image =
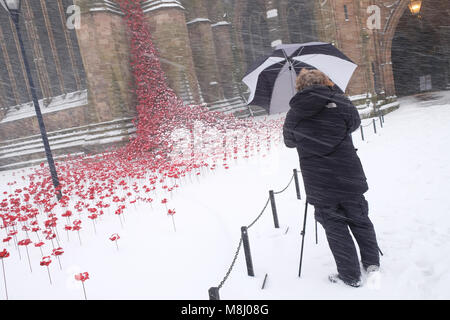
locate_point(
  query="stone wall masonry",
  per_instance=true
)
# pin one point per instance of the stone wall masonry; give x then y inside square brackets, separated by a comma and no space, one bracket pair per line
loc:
[104,45]
[204,55]
[170,35]
[224,57]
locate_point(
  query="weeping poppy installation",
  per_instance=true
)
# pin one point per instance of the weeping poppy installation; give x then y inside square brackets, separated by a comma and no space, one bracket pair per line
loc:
[175,144]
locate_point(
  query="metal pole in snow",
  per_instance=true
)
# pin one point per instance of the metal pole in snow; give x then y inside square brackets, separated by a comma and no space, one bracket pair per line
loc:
[274,209]
[48,152]
[303,239]
[248,255]
[213,293]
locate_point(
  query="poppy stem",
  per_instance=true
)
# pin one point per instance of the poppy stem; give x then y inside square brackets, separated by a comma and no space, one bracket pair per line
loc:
[4,279]
[29,262]
[57,235]
[117,246]
[18,249]
[79,236]
[173,222]
[95,231]
[59,261]
[84,290]
[48,271]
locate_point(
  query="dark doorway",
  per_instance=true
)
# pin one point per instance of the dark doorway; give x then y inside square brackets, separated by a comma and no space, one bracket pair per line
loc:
[420,58]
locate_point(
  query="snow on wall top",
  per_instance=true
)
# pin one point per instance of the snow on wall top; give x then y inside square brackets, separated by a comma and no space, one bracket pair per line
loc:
[58,103]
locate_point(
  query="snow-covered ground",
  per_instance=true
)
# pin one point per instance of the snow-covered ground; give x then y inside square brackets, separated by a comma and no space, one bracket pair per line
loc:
[408,170]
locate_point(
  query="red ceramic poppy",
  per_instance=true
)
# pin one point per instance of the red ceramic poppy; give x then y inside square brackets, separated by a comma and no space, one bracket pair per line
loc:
[68,213]
[4,254]
[114,237]
[50,236]
[46,261]
[58,251]
[39,244]
[82,276]
[24,242]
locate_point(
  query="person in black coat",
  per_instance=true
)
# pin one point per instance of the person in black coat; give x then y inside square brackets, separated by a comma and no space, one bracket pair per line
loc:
[319,124]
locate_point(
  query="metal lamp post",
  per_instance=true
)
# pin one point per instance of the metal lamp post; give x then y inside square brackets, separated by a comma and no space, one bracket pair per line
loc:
[13,8]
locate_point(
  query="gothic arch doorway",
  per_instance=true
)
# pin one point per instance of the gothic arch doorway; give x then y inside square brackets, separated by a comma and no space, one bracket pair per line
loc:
[420,49]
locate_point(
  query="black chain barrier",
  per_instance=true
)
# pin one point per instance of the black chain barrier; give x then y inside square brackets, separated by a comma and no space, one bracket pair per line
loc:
[214,291]
[372,123]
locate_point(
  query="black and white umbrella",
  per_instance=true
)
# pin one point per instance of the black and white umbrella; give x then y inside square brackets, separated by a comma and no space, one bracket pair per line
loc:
[271,79]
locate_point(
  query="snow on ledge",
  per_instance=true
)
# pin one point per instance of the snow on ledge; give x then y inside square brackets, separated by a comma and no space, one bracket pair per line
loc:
[153,5]
[221,23]
[106,5]
[367,95]
[58,103]
[198,20]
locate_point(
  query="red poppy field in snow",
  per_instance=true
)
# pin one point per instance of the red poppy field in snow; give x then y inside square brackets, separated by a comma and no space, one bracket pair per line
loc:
[174,143]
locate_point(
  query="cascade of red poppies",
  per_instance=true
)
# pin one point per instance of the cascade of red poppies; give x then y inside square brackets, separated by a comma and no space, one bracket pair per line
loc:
[159,109]
[174,144]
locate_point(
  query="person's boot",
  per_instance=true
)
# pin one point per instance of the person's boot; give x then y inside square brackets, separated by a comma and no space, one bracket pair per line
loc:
[336,278]
[372,268]
[373,277]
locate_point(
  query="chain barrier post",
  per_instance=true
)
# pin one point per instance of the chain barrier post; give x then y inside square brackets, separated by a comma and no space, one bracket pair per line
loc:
[297,185]
[381,122]
[362,133]
[248,255]
[303,239]
[213,293]
[274,209]
[374,126]
[382,117]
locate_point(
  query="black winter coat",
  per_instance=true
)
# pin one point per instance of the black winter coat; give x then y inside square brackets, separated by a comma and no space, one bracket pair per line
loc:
[319,124]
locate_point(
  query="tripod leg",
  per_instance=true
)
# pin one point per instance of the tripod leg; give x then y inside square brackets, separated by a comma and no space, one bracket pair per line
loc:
[303,239]
[317,238]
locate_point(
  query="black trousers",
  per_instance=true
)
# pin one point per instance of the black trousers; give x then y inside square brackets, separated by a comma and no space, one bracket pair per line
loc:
[337,220]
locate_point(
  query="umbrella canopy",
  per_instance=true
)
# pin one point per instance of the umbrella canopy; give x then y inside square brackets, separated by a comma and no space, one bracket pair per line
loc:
[271,79]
